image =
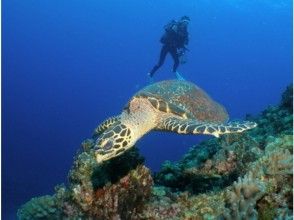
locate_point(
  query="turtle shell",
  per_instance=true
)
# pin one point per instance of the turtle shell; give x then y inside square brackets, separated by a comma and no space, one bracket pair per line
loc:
[184,98]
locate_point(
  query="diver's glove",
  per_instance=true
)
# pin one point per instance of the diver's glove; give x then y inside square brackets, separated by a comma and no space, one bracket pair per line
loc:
[181,51]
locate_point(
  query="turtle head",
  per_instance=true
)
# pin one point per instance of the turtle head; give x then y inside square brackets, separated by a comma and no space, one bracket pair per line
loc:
[113,142]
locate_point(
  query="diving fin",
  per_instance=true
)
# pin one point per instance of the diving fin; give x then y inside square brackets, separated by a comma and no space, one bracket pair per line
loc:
[150,78]
[179,76]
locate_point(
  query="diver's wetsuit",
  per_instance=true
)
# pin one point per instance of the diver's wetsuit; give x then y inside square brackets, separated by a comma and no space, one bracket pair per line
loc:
[175,37]
[164,50]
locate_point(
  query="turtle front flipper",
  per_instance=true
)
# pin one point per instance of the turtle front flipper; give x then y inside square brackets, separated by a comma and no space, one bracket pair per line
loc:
[190,126]
[105,125]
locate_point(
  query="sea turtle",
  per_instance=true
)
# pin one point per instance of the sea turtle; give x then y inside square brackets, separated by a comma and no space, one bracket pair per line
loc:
[172,105]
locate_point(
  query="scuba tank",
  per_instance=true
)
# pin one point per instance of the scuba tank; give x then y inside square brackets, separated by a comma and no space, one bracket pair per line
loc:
[169,29]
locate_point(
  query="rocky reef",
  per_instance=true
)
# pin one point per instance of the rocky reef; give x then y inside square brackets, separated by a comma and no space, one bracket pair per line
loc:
[238,176]
[116,190]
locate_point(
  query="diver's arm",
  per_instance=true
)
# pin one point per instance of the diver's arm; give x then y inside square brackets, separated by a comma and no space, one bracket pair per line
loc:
[184,43]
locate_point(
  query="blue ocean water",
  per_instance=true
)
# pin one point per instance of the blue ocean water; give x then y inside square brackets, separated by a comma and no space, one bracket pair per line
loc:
[67,65]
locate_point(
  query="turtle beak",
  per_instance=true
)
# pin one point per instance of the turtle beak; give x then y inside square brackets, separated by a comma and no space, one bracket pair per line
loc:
[103,155]
[99,158]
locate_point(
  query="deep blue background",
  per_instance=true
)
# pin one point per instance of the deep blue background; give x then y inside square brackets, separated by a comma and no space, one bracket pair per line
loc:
[67,65]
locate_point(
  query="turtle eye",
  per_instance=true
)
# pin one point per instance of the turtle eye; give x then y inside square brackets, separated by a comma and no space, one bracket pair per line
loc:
[104,144]
[108,145]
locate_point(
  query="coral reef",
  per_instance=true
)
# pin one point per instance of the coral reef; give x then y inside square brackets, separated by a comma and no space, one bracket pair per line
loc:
[262,155]
[237,176]
[121,200]
[44,207]
[287,99]
[182,205]
[96,192]
[241,200]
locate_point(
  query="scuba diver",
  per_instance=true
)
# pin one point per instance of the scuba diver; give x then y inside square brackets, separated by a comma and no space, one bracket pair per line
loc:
[174,41]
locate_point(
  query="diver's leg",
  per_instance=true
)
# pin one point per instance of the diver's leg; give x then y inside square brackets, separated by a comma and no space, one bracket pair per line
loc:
[175,57]
[163,53]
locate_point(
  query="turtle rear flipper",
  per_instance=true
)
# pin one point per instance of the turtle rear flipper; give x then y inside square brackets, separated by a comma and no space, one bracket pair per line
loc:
[105,125]
[190,126]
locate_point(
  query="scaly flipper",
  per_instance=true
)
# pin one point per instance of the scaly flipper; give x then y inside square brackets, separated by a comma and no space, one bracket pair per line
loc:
[190,126]
[106,124]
